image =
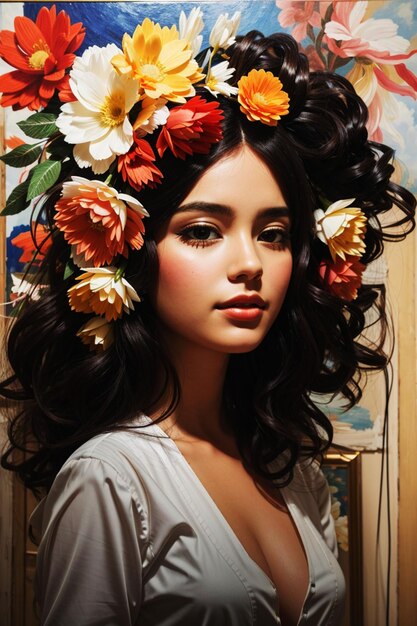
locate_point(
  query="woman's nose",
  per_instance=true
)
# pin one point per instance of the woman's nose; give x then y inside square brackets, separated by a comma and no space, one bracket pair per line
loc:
[246,263]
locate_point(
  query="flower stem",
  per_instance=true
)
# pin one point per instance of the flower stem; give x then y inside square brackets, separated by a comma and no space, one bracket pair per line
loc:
[121,270]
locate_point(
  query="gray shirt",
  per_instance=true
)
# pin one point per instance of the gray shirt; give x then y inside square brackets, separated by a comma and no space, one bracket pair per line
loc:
[128,535]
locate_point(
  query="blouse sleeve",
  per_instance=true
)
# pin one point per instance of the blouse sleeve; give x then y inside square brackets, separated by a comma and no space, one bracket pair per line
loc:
[325,510]
[89,567]
[316,502]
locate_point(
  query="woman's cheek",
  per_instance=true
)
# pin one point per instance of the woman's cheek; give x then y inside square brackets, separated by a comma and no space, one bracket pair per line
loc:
[183,267]
[181,278]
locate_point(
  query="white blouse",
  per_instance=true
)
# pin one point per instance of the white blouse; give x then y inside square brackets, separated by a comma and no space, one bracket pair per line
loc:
[128,535]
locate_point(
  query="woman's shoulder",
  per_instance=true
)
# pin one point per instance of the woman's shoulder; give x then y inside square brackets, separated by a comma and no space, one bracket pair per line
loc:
[128,446]
[112,469]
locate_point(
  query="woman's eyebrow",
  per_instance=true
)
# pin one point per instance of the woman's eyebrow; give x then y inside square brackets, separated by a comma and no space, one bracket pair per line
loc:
[227,211]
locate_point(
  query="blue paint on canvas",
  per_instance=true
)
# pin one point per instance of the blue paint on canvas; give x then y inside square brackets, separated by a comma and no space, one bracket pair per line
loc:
[13,252]
[337,477]
[107,21]
[358,416]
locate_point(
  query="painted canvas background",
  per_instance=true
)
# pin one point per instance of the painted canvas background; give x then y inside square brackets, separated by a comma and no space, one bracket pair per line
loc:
[371,43]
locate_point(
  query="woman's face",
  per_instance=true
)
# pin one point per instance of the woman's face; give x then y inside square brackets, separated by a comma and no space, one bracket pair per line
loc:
[225,258]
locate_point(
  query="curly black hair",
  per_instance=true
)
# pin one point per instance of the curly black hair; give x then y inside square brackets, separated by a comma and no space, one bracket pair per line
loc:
[65,393]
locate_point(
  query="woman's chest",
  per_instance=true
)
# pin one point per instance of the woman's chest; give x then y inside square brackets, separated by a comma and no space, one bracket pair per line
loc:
[260,522]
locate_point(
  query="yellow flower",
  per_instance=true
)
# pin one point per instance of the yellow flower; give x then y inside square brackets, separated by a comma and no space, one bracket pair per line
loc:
[101,291]
[97,333]
[342,532]
[261,97]
[342,227]
[153,113]
[160,61]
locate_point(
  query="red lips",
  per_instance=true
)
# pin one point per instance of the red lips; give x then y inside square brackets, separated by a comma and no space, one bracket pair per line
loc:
[243,301]
[243,308]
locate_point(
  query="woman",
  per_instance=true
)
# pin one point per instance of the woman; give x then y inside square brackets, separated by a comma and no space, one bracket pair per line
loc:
[166,381]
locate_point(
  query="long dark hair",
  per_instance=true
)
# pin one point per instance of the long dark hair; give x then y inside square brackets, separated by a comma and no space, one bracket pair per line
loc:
[66,393]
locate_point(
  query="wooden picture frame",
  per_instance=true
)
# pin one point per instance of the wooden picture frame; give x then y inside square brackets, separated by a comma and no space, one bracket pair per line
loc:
[343,473]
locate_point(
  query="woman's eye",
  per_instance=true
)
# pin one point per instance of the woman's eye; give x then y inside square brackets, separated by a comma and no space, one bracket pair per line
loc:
[279,236]
[199,235]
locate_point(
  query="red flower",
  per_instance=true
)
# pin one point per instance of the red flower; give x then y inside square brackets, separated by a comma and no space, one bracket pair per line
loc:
[65,92]
[191,128]
[33,242]
[137,166]
[40,52]
[342,278]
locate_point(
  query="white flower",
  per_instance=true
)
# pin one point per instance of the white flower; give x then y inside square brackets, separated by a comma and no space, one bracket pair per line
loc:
[216,80]
[342,227]
[97,332]
[22,285]
[190,28]
[224,31]
[97,122]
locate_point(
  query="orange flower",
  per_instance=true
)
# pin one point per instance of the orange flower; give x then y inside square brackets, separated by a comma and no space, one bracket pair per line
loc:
[343,278]
[103,292]
[98,221]
[13,142]
[33,243]
[40,52]
[137,167]
[261,97]
[191,128]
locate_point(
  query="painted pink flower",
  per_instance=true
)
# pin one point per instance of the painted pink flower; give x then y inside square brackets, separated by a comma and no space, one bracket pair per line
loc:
[301,14]
[376,40]
[382,106]
[380,54]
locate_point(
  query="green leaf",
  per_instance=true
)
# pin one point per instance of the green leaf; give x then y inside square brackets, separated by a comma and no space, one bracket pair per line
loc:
[58,149]
[17,202]
[43,177]
[329,12]
[69,270]
[39,125]
[22,155]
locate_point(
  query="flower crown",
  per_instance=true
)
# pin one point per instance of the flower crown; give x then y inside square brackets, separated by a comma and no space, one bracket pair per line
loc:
[99,110]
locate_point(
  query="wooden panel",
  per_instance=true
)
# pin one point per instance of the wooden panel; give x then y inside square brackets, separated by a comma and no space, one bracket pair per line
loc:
[405,268]
[6,526]
[2,221]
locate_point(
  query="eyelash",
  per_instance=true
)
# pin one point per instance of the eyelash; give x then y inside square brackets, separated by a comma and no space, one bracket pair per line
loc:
[186,237]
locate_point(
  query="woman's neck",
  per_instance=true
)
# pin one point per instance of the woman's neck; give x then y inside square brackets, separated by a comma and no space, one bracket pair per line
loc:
[199,414]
